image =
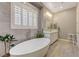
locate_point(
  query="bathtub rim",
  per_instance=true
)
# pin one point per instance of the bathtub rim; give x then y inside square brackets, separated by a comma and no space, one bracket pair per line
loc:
[34,50]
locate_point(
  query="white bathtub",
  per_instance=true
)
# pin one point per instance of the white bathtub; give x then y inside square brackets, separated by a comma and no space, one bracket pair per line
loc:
[32,48]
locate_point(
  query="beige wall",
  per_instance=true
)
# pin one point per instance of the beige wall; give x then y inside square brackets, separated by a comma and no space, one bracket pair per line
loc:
[5,26]
[66,20]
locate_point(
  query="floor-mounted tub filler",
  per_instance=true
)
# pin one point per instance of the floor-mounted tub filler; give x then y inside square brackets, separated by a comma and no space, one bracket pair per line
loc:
[31,48]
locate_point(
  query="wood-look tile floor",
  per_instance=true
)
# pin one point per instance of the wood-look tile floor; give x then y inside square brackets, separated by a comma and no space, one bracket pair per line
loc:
[63,48]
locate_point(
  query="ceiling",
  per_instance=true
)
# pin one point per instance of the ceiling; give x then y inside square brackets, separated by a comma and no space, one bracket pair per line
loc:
[59,6]
[37,4]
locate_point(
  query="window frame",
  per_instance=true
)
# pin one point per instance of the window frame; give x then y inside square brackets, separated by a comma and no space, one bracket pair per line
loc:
[28,7]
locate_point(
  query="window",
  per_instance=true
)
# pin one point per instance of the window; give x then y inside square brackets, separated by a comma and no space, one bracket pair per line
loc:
[25,17]
[30,18]
[17,15]
[35,19]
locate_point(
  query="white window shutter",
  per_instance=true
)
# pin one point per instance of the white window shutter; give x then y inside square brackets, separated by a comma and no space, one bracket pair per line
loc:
[30,19]
[25,17]
[35,21]
[17,15]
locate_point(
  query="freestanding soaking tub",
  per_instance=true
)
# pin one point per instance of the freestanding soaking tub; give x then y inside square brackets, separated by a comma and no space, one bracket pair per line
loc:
[31,48]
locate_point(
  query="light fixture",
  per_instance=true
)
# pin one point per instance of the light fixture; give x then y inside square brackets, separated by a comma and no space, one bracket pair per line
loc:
[48,14]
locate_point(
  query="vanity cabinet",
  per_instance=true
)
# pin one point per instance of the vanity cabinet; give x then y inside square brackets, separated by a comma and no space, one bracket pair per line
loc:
[52,35]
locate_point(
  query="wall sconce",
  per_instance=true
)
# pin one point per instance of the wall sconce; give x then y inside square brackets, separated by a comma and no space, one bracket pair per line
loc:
[48,14]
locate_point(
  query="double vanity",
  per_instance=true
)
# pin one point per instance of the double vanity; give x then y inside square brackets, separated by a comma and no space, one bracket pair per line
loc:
[52,35]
